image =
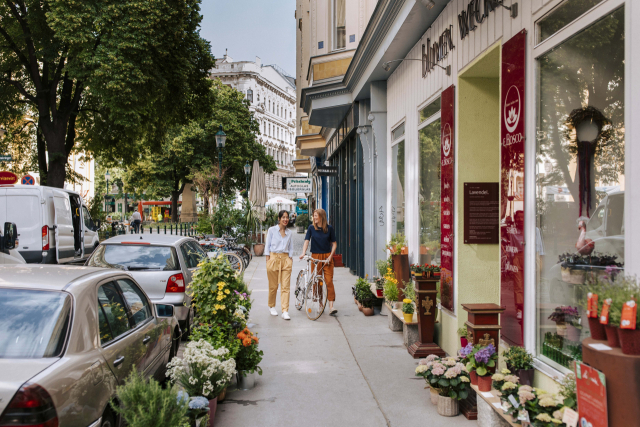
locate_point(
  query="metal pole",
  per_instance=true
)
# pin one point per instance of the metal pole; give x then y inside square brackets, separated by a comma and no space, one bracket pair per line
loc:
[220,172]
[105,197]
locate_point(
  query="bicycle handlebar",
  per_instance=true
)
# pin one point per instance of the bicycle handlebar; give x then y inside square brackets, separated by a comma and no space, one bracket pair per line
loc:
[308,258]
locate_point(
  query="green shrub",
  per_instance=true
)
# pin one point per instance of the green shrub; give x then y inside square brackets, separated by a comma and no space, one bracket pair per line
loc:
[146,404]
[302,220]
[518,358]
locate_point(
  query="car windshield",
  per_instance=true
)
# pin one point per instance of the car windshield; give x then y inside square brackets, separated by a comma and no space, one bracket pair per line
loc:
[33,324]
[135,257]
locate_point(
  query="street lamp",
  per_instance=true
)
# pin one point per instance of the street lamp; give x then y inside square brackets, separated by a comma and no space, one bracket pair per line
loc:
[107,176]
[221,138]
[247,171]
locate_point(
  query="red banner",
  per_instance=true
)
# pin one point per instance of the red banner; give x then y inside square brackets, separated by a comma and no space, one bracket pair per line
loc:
[7,177]
[592,396]
[447,175]
[512,118]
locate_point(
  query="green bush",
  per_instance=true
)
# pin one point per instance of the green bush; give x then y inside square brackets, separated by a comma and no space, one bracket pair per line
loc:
[146,404]
[302,220]
[518,358]
[271,217]
[204,224]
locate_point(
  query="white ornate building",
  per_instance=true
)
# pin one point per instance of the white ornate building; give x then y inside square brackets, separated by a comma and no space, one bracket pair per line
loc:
[272,97]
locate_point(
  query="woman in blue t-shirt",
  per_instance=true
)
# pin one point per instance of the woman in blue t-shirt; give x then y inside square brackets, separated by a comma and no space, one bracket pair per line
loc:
[323,247]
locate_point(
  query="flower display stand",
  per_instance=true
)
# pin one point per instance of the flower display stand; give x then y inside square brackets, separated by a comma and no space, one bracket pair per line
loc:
[621,373]
[426,309]
[402,272]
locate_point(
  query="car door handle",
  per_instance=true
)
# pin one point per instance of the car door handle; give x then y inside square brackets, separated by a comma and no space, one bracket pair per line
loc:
[118,361]
[146,339]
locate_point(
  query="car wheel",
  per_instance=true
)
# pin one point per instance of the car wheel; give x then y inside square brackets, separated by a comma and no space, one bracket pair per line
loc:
[187,327]
[108,419]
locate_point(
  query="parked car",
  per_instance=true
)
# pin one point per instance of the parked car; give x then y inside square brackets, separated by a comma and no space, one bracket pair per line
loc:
[69,336]
[8,242]
[162,264]
[55,224]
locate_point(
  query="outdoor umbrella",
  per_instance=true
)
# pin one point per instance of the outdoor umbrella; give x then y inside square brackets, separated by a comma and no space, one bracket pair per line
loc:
[279,201]
[258,191]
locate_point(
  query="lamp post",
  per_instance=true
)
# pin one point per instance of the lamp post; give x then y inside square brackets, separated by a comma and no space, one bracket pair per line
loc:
[221,138]
[107,176]
[247,171]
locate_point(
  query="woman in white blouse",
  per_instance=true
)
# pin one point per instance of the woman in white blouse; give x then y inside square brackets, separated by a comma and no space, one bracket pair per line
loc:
[279,253]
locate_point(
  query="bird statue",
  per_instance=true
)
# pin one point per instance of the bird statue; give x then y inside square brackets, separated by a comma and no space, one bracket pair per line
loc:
[583,245]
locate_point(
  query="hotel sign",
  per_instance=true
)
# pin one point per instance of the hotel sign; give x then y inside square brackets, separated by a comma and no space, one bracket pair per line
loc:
[435,52]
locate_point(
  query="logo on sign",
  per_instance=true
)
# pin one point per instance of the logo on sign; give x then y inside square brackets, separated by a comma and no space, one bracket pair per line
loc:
[7,177]
[512,109]
[446,140]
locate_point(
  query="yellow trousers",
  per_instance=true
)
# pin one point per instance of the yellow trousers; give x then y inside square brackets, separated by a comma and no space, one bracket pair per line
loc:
[279,269]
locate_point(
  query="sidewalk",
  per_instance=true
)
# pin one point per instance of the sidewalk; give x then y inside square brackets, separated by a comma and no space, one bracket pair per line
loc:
[347,370]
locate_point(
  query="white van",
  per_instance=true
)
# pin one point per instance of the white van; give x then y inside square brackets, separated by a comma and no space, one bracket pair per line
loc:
[54,224]
[8,242]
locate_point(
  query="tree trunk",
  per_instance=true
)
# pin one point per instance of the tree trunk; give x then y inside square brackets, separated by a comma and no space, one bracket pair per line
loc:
[174,205]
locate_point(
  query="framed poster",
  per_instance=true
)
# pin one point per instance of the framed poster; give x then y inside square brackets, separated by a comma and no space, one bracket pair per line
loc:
[481,213]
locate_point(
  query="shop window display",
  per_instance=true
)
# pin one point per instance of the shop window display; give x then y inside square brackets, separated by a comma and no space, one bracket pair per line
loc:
[429,193]
[397,187]
[580,181]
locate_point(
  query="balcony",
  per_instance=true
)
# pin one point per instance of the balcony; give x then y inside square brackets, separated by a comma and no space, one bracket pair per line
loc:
[329,68]
[310,142]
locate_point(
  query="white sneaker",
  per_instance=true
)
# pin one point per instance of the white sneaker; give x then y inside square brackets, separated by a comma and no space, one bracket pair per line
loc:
[285,315]
[273,311]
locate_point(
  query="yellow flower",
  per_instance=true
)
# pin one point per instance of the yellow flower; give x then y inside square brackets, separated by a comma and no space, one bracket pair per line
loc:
[406,301]
[219,298]
[226,291]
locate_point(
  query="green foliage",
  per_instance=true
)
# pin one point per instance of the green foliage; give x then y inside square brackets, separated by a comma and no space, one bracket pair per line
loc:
[381,266]
[623,289]
[407,307]
[397,242]
[271,217]
[204,224]
[568,391]
[220,335]
[410,291]
[146,404]
[302,220]
[390,290]
[363,292]
[518,358]
[225,217]
[248,357]
[462,332]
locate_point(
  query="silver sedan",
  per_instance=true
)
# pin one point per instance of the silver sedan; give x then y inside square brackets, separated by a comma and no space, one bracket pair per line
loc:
[69,336]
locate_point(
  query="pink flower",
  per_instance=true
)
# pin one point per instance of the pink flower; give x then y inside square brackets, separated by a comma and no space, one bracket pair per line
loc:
[432,357]
[438,370]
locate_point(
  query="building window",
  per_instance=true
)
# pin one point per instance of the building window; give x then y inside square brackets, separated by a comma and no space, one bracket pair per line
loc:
[429,186]
[250,96]
[340,19]
[397,184]
[580,183]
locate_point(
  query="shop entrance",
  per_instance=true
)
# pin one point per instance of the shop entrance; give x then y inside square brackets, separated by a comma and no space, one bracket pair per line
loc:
[478,265]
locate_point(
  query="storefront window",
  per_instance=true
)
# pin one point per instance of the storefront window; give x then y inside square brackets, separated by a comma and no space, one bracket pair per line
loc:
[429,193]
[580,181]
[397,188]
[562,15]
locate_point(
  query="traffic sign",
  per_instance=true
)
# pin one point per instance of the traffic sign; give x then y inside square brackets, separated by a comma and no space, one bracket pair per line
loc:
[5,158]
[27,180]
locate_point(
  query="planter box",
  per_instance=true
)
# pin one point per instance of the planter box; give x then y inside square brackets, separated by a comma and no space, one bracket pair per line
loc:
[573,276]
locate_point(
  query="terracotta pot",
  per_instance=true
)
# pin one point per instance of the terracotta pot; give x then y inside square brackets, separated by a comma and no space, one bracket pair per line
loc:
[474,377]
[573,333]
[222,395]
[433,395]
[597,329]
[464,341]
[447,407]
[408,318]
[258,249]
[423,250]
[484,383]
[367,311]
[436,274]
[630,341]
[359,306]
[612,336]
[213,405]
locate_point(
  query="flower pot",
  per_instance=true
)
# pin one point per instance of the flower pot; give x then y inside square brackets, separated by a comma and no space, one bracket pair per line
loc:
[246,380]
[417,274]
[300,229]
[447,407]
[561,329]
[379,293]
[573,333]
[222,395]
[213,405]
[433,395]
[597,329]
[464,341]
[408,318]
[484,383]
[525,375]
[359,306]
[474,377]
[258,249]
[613,339]
[630,341]
[436,274]
[367,311]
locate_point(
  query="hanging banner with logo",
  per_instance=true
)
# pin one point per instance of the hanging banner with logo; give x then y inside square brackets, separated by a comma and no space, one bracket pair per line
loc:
[512,117]
[591,390]
[7,177]
[447,174]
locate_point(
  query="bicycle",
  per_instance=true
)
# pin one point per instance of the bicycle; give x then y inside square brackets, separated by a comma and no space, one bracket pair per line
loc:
[215,247]
[311,289]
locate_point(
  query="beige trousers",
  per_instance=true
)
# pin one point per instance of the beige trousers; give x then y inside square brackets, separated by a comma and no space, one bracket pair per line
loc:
[279,269]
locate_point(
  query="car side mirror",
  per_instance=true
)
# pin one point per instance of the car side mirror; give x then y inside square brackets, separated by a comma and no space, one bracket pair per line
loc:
[97,225]
[164,310]
[10,235]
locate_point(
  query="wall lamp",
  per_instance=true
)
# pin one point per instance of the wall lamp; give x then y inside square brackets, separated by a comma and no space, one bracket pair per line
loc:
[386,65]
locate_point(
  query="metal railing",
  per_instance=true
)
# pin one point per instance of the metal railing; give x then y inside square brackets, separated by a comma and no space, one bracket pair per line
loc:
[178,229]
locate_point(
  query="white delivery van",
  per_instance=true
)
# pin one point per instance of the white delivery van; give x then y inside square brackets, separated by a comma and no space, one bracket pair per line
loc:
[8,243]
[55,225]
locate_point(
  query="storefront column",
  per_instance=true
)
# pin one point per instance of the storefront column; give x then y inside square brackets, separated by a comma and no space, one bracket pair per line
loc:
[366,140]
[379,134]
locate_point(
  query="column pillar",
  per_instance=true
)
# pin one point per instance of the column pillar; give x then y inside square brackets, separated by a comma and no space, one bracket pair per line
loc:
[379,133]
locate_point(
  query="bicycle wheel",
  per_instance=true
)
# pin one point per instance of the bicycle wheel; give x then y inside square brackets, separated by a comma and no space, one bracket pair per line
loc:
[248,252]
[236,262]
[299,291]
[315,298]
[245,258]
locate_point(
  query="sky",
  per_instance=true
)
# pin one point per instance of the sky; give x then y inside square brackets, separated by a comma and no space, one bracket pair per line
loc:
[250,28]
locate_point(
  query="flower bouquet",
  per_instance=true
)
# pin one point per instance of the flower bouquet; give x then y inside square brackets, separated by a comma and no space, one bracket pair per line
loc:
[483,360]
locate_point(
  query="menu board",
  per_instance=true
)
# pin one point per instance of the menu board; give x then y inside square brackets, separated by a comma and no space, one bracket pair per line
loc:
[447,174]
[481,213]
[512,118]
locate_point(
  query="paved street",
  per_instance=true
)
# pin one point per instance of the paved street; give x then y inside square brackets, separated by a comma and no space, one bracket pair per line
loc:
[347,370]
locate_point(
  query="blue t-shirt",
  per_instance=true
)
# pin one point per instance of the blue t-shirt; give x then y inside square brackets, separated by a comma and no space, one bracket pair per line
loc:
[320,241]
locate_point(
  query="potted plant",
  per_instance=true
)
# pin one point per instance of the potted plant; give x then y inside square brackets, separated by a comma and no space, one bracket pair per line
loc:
[247,359]
[483,361]
[364,296]
[597,293]
[435,270]
[407,310]
[462,333]
[568,322]
[450,375]
[390,289]
[379,281]
[302,223]
[424,370]
[203,371]
[520,362]
[420,270]
[466,357]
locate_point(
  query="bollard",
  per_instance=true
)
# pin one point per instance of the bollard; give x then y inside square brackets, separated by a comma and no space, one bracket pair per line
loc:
[158,229]
[165,229]
[150,230]
[171,228]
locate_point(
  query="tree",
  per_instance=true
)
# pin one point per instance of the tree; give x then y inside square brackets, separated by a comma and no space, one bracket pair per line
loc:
[101,74]
[165,172]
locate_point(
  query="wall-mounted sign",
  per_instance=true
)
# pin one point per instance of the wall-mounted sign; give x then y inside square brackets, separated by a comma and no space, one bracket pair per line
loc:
[447,174]
[6,158]
[327,170]
[512,115]
[298,185]
[7,177]
[481,213]
[437,51]
[592,396]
